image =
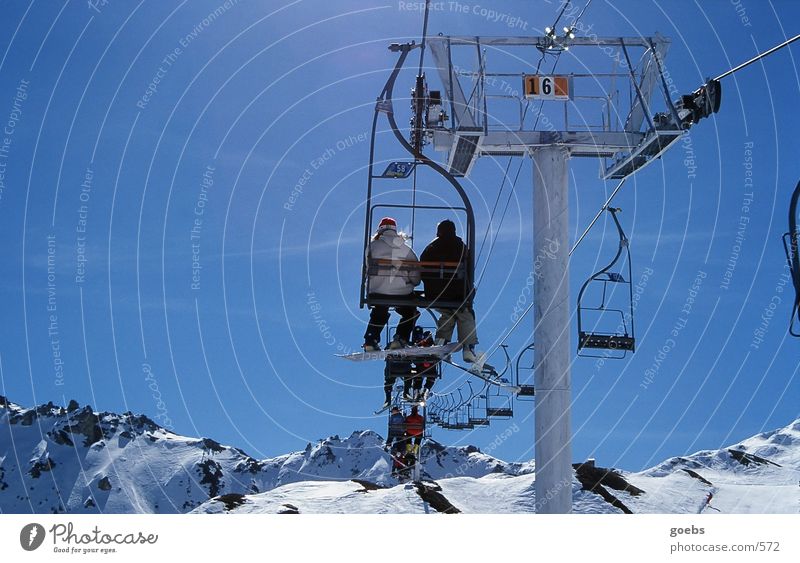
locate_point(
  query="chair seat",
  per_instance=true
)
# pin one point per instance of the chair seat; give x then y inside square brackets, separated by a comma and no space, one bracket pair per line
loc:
[416,299]
[499,412]
[479,421]
[606,341]
[526,391]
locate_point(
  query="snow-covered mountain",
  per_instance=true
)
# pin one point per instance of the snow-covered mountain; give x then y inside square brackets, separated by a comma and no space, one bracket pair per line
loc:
[55,459]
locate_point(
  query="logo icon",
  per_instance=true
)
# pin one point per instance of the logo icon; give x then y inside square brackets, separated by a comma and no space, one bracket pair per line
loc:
[31,537]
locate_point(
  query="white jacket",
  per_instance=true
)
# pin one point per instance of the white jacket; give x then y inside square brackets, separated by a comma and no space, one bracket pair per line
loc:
[399,278]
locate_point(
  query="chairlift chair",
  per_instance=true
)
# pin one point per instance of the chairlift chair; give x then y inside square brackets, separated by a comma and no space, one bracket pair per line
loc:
[477,412]
[499,404]
[790,245]
[427,115]
[621,339]
[526,390]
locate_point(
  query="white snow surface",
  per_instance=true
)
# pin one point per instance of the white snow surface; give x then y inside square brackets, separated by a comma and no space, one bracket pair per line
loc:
[54,460]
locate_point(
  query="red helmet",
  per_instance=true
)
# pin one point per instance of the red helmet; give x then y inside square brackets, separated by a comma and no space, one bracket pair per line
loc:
[387,223]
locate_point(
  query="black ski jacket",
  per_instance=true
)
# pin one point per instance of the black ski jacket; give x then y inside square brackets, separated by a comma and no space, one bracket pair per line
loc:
[445,249]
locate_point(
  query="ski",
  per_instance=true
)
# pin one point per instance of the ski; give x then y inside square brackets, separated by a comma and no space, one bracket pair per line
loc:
[409,354]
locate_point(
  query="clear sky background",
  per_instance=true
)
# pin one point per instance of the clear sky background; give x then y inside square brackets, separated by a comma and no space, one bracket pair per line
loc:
[114,191]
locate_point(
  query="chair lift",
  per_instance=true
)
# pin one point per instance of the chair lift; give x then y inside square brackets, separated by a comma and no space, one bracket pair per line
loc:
[435,409]
[445,411]
[473,419]
[525,384]
[462,413]
[427,116]
[451,422]
[465,411]
[498,404]
[790,240]
[621,339]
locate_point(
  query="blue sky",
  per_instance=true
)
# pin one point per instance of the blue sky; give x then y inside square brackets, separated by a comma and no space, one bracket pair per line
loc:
[147,139]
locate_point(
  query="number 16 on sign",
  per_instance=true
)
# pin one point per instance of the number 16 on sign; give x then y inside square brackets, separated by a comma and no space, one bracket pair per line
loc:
[541,87]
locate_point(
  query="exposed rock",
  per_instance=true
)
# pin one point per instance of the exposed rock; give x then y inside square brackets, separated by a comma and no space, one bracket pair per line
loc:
[212,445]
[290,509]
[61,438]
[368,485]
[28,417]
[746,459]
[40,466]
[431,493]
[211,473]
[591,476]
[231,500]
[104,484]
[86,423]
[698,476]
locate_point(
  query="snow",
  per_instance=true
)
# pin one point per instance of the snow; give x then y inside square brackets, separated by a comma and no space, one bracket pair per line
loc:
[79,461]
[768,487]
[326,497]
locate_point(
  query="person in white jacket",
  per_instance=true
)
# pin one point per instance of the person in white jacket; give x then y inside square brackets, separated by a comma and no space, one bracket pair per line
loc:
[394,276]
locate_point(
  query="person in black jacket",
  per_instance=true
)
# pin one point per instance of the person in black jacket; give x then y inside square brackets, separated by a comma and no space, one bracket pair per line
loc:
[450,287]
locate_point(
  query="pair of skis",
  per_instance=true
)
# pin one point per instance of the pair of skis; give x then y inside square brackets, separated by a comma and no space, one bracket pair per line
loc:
[417,402]
[407,354]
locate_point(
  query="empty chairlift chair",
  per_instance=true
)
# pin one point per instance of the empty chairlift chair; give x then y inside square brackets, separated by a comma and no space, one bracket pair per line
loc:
[616,332]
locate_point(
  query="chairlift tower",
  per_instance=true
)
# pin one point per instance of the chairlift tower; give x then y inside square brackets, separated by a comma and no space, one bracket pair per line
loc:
[628,139]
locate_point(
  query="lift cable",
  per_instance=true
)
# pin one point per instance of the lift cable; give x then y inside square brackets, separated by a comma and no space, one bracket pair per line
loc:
[757,57]
[519,168]
[596,217]
[622,182]
[721,76]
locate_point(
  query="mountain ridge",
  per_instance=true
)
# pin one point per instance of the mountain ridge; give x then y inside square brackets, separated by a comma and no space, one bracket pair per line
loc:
[76,460]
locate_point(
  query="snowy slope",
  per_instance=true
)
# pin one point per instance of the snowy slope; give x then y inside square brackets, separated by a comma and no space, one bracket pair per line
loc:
[75,460]
[759,475]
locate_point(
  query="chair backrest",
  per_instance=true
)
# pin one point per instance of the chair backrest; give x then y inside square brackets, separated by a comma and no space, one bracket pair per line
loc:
[454,272]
